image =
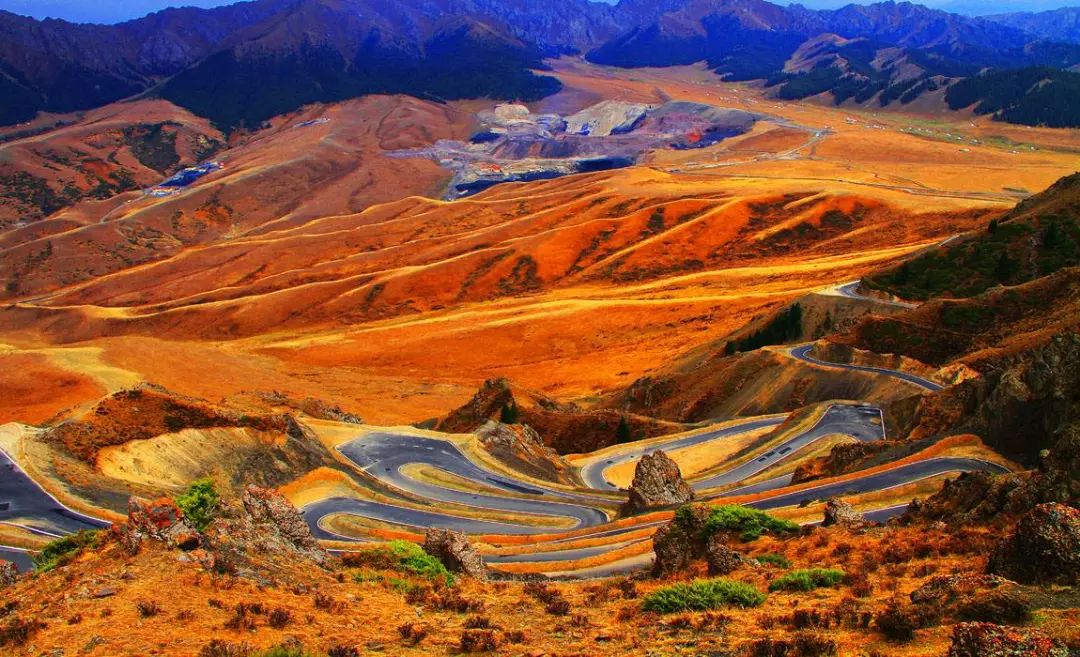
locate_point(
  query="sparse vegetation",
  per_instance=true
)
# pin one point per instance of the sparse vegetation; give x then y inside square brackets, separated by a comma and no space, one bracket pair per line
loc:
[509,413]
[701,595]
[623,433]
[18,631]
[279,618]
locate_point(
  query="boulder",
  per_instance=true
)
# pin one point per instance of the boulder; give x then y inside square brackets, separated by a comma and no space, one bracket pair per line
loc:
[989,640]
[9,574]
[1044,548]
[657,483]
[839,513]
[721,559]
[455,551]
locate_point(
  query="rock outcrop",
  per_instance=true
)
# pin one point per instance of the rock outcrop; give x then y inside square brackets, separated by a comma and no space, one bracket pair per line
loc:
[685,540]
[1044,548]
[565,427]
[989,640]
[9,574]
[261,529]
[678,543]
[455,551]
[842,459]
[269,509]
[839,513]
[721,559]
[158,520]
[942,590]
[657,483]
[521,448]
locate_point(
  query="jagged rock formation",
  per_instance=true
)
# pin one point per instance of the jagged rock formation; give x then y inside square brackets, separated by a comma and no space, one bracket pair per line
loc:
[521,448]
[9,574]
[259,532]
[685,540]
[269,508]
[312,407]
[988,639]
[973,497]
[657,483]
[840,460]
[565,427]
[841,514]
[1029,409]
[1020,408]
[1043,549]
[455,551]
[977,497]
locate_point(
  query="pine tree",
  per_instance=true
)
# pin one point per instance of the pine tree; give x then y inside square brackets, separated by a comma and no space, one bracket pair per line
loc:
[622,432]
[509,413]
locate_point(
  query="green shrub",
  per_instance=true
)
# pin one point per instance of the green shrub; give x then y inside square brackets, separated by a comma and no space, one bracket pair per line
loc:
[702,594]
[749,523]
[777,560]
[200,503]
[62,550]
[807,580]
[401,556]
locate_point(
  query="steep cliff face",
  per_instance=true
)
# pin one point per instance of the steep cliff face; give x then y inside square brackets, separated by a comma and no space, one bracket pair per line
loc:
[1020,409]
[1030,411]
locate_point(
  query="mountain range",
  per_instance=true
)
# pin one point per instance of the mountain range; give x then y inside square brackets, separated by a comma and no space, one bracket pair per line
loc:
[242,64]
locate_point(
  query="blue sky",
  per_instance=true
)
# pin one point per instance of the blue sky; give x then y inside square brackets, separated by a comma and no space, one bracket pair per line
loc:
[110,11]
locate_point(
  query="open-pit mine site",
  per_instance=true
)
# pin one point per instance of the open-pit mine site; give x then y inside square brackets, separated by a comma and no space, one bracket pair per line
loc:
[659,361]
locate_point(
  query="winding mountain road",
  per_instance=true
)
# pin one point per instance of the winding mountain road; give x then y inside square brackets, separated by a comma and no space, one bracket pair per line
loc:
[593,473]
[25,504]
[802,352]
[504,505]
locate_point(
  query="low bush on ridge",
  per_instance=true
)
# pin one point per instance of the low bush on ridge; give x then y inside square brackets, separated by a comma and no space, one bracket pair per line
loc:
[701,595]
[748,523]
[778,560]
[807,580]
[401,556]
[64,549]
[200,503]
